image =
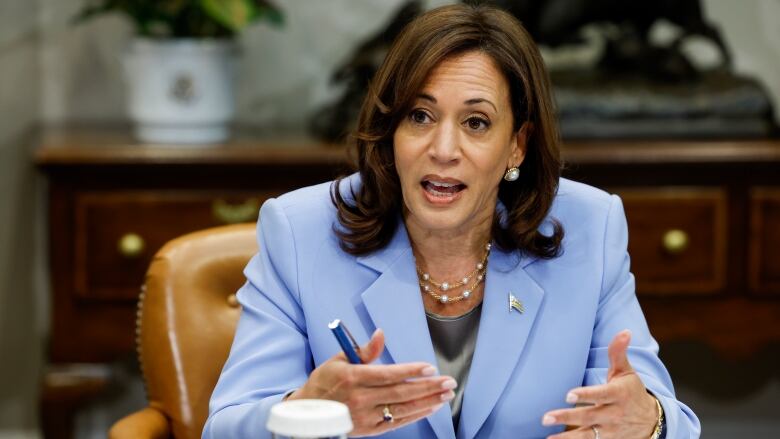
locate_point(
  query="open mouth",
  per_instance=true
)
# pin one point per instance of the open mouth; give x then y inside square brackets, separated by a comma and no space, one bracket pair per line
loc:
[442,187]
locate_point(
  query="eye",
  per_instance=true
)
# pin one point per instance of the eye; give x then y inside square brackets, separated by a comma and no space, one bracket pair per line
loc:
[477,123]
[419,116]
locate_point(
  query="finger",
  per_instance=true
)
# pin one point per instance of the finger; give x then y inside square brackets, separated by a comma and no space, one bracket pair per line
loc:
[372,375]
[372,422]
[419,415]
[599,394]
[589,415]
[618,356]
[411,390]
[577,433]
[399,422]
[419,405]
[370,351]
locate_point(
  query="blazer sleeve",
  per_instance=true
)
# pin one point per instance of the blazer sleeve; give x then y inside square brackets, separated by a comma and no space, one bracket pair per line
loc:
[619,309]
[270,354]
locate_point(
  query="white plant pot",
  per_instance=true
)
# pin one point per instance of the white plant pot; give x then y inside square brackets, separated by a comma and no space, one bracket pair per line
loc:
[180,91]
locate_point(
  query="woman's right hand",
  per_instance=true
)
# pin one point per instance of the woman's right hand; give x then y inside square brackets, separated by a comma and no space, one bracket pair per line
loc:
[411,390]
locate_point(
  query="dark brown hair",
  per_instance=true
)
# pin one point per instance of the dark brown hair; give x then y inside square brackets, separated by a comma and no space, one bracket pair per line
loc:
[369,217]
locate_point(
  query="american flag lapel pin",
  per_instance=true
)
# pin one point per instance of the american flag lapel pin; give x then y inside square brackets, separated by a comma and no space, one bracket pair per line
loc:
[515,304]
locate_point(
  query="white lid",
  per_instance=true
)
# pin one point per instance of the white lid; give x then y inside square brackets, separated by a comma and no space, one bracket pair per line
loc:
[309,418]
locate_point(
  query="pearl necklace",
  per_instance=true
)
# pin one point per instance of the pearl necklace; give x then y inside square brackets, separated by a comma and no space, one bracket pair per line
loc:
[430,286]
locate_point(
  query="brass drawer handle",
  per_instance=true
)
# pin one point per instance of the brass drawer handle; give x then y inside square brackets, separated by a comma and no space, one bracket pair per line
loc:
[232,301]
[131,245]
[675,241]
[227,213]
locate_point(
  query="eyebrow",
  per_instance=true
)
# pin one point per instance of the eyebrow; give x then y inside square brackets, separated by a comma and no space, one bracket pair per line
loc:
[472,101]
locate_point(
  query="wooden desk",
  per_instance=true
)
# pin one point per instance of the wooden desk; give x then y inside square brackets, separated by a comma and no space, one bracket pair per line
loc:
[704,218]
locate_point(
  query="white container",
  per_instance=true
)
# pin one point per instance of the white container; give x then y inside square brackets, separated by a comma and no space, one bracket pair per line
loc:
[181,91]
[309,419]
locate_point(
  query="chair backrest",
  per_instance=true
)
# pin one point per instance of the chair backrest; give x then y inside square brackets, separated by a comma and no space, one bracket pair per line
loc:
[186,320]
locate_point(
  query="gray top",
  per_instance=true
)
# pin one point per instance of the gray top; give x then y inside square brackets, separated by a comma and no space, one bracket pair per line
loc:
[454,339]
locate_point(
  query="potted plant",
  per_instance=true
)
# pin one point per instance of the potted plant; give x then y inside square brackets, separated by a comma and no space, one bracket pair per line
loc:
[180,67]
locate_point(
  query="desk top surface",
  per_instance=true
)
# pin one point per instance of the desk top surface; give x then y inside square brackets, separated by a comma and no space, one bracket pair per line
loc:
[116,146]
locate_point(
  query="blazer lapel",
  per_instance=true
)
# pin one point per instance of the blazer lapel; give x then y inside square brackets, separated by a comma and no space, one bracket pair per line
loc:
[394,304]
[502,335]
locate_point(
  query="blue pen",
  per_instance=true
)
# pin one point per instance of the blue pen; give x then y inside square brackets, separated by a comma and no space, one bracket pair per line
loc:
[347,342]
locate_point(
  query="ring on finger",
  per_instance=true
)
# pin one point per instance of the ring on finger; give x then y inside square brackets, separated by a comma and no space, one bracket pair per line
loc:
[387,415]
[596,432]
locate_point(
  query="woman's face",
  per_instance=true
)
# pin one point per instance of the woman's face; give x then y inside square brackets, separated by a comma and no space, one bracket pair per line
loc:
[454,146]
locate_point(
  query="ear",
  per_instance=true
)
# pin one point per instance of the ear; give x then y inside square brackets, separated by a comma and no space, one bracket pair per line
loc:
[519,144]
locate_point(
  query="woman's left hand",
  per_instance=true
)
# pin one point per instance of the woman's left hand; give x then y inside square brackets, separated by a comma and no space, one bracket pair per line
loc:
[621,408]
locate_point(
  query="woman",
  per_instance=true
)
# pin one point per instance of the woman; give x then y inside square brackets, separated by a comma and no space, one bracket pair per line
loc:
[494,295]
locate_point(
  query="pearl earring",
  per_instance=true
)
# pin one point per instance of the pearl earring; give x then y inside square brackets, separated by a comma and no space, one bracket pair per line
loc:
[512,174]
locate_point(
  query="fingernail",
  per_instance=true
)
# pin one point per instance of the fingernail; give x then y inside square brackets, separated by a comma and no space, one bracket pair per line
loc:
[449,384]
[447,396]
[437,407]
[548,420]
[571,398]
[429,371]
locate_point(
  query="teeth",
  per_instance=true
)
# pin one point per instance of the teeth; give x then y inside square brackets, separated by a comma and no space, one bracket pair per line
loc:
[439,194]
[432,190]
[441,184]
[442,189]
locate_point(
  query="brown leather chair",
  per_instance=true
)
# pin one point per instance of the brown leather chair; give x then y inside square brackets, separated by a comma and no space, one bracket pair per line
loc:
[186,319]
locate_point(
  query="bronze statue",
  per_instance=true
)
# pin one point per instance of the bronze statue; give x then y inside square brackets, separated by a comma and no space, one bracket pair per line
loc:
[637,69]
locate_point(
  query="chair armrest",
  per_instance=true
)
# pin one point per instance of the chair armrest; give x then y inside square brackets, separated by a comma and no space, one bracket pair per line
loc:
[148,423]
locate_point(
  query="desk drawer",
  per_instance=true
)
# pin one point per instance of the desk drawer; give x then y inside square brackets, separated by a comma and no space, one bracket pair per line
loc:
[677,239]
[764,240]
[117,233]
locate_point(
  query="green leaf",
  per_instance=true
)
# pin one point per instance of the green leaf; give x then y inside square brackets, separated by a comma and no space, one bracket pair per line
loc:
[270,12]
[185,18]
[272,15]
[233,14]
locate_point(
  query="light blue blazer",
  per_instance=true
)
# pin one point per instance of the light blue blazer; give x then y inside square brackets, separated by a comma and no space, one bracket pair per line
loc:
[523,365]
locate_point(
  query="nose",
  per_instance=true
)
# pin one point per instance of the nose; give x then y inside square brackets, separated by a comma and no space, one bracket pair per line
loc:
[445,144]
